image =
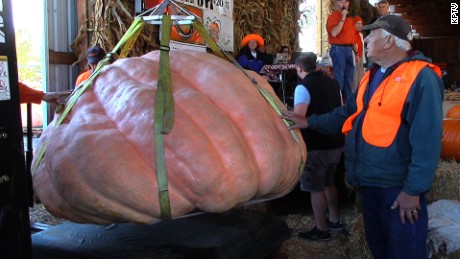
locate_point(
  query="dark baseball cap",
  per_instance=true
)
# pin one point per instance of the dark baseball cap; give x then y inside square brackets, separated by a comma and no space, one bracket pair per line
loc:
[393,24]
[95,54]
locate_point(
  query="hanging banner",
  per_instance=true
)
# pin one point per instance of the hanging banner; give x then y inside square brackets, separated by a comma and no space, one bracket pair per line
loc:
[217,18]
[221,7]
[220,28]
[185,32]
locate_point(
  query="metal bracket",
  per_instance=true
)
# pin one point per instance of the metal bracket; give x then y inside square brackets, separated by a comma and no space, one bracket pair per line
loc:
[179,15]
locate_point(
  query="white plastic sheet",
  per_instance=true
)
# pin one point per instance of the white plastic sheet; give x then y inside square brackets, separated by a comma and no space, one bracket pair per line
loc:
[444,226]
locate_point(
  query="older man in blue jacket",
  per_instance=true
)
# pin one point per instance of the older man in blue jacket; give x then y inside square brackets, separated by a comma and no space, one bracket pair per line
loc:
[394,128]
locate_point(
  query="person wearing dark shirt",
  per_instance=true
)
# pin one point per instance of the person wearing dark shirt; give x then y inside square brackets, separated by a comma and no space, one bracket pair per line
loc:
[319,94]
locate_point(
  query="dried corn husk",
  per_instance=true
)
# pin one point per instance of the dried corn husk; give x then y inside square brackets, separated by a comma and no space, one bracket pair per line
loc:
[108,22]
[275,20]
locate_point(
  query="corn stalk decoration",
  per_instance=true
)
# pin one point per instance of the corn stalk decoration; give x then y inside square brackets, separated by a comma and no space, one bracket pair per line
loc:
[109,20]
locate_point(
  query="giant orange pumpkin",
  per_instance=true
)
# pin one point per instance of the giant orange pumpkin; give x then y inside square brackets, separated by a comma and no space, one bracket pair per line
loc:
[453,112]
[451,134]
[227,146]
[451,139]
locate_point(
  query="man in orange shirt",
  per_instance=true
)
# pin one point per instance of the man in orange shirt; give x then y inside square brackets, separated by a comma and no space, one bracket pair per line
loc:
[29,95]
[341,36]
[93,55]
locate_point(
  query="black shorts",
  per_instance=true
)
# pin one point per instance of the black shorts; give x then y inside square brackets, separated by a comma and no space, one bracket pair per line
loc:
[320,169]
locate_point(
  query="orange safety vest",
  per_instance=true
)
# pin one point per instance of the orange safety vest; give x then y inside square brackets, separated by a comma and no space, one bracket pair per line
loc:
[381,122]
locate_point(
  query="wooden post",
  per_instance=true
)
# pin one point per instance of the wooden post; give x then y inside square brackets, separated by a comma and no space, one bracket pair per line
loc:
[82,16]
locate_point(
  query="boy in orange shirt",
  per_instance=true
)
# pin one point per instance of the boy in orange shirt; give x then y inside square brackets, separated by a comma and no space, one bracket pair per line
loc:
[93,55]
[29,95]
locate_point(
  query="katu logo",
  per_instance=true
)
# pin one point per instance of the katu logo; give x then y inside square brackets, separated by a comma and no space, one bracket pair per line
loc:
[453,13]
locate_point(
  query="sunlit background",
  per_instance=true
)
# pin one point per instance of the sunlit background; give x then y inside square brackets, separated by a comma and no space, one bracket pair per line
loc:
[29,23]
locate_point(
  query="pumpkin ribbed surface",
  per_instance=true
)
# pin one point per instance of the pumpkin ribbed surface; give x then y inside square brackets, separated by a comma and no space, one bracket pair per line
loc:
[227,146]
[451,139]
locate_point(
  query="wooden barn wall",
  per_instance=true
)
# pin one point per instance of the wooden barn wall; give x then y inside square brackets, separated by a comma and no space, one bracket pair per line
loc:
[442,50]
[104,22]
[326,8]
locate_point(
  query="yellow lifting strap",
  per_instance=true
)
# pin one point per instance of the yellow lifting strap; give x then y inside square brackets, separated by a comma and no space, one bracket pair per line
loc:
[133,30]
[164,116]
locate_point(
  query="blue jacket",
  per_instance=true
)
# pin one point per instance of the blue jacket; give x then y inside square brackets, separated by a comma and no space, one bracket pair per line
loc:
[411,160]
[247,61]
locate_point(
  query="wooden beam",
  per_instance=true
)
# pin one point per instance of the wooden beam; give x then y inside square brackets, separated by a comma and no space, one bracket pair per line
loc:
[416,2]
[425,8]
[420,22]
[63,58]
[436,31]
[82,16]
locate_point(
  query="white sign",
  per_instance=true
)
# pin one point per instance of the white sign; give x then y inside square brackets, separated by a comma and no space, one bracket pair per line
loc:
[220,29]
[175,45]
[221,7]
[5,93]
[216,16]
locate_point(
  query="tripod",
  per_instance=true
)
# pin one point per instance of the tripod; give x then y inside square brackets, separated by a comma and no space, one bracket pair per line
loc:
[287,93]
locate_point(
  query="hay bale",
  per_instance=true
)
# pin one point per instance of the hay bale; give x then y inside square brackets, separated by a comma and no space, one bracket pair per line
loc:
[446,185]
[351,244]
[356,247]
[451,95]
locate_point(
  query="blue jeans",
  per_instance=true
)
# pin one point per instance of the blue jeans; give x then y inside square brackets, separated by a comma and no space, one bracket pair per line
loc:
[343,68]
[386,236]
